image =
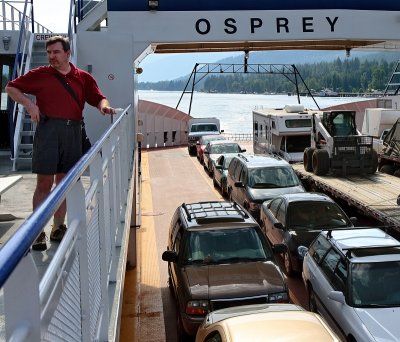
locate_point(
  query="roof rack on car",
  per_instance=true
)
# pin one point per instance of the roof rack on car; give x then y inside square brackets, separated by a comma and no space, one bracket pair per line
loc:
[242,156]
[329,231]
[214,211]
[351,250]
[186,210]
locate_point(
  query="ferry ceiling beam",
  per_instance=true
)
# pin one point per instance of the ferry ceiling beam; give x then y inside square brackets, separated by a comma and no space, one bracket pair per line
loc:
[268,45]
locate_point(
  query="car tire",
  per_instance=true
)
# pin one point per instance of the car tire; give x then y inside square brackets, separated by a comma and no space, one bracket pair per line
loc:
[374,162]
[320,162]
[312,301]
[223,190]
[181,334]
[210,170]
[215,183]
[230,196]
[170,286]
[287,264]
[307,158]
[387,168]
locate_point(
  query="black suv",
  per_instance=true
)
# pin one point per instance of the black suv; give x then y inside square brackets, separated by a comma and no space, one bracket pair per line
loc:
[251,180]
[218,257]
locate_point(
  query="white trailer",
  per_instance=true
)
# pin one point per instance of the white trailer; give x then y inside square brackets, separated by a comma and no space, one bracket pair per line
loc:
[377,123]
[285,131]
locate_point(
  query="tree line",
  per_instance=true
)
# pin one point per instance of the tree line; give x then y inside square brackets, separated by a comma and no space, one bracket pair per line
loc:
[350,75]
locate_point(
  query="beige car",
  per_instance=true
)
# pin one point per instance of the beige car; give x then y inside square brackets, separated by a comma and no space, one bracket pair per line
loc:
[264,322]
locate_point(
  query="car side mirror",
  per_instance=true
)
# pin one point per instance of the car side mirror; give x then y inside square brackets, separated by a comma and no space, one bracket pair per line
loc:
[279,248]
[222,131]
[170,256]
[239,184]
[279,225]
[242,150]
[302,251]
[354,220]
[337,296]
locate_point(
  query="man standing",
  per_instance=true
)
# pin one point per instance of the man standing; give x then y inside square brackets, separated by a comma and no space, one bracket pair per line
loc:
[61,90]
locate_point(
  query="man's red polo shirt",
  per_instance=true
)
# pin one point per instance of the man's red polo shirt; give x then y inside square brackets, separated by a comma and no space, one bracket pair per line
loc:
[52,98]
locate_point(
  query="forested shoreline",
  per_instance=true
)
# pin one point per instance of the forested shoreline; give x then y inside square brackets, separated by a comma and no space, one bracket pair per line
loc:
[350,75]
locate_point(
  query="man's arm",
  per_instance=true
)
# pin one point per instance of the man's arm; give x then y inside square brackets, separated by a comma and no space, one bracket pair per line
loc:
[105,108]
[18,96]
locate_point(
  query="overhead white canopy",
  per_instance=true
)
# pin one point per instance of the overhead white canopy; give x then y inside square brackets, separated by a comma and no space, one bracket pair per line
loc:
[223,25]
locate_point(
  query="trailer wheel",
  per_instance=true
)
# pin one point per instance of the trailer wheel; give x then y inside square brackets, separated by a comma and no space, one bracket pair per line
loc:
[387,168]
[374,162]
[320,162]
[307,158]
[397,173]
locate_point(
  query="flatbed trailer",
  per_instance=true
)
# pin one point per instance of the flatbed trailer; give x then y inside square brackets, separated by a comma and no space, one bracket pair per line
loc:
[375,195]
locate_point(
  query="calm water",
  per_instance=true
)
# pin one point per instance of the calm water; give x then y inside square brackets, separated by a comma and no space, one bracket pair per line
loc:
[235,110]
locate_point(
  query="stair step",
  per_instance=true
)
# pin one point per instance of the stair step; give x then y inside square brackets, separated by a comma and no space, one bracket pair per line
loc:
[27,133]
[25,146]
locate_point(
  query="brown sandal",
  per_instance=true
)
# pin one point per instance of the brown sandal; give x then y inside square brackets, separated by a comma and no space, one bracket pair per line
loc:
[58,233]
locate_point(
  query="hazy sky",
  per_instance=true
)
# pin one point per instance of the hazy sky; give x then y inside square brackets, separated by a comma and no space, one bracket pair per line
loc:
[52,14]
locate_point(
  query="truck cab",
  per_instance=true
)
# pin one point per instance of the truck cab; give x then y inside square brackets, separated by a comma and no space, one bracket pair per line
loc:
[197,127]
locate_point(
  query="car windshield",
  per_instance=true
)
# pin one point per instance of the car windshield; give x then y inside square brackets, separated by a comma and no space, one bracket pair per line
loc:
[204,128]
[205,141]
[224,148]
[375,284]
[272,177]
[225,246]
[312,214]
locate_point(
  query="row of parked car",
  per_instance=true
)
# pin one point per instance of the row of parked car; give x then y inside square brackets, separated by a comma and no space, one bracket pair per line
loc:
[226,280]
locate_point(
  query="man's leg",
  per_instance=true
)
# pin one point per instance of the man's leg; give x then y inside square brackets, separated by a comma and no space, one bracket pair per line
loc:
[44,184]
[59,228]
[43,188]
[59,215]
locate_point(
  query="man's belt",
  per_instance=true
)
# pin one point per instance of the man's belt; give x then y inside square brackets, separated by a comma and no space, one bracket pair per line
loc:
[67,122]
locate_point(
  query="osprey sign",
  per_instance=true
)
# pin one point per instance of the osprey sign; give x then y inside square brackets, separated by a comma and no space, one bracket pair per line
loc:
[281,25]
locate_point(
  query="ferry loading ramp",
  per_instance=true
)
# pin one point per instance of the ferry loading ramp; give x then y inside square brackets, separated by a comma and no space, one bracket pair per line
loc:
[374,195]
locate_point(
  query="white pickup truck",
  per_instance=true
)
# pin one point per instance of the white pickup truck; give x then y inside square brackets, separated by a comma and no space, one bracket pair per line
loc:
[198,127]
[377,123]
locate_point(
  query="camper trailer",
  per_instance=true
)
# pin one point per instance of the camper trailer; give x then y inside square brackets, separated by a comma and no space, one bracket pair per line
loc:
[284,132]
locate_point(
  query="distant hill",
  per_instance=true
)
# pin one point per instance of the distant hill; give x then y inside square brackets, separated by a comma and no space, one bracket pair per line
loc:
[175,67]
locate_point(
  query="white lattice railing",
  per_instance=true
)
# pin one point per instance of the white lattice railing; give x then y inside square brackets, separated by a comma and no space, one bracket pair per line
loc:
[78,296]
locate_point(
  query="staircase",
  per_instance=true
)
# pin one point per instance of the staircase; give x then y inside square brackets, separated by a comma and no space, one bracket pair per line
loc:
[25,128]
[393,86]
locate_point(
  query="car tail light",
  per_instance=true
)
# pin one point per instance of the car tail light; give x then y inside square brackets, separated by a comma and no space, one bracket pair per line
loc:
[279,297]
[197,307]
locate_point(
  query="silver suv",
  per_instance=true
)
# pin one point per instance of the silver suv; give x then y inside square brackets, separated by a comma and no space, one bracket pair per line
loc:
[251,180]
[353,280]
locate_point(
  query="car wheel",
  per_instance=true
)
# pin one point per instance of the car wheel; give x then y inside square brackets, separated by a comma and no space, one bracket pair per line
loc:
[215,183]
[182,336]
[223,189]
[170,286]
[312,301]
[287,262]
[230,196]
[210,170]
[307,158]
